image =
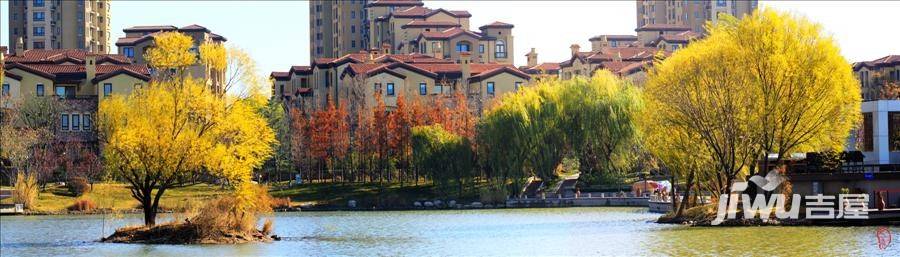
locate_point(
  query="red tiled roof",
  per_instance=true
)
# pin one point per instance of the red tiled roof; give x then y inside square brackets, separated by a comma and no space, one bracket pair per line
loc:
[448,33]
[193,27]
[682,37]
[137,71]
[280,75]
[614,37]
[491,72]
[396,3]
[497,24]
[663,27]
[51,71]
[300,69]
[130,41]
[414,11]
[461,14]
[127,41]
[430,24]
[424,12]
[547,66]
[890,60]
[12,76]
[150,28]
[633,67]
[56,56]
[608,54]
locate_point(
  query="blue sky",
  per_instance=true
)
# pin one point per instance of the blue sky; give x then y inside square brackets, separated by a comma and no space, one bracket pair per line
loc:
[276,33]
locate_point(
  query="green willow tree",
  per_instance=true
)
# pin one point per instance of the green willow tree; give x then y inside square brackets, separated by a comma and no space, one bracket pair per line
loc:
[530,132]
[443,155]
[768,83]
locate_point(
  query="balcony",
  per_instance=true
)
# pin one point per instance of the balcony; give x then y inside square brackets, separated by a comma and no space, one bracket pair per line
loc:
[500,55]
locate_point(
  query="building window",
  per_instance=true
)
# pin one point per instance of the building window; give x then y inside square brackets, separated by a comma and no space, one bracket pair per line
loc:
[318,8]
[463,47]
[376,87]
[353,43]
[720,3]
[281,89]
[76,122]
[352,29]
[5,91]
[867,144]
[61,91]
[390,89]
[481,48]
[37,16]
[39,89]
[38,45]
[107,89]
[434,47]
[423,88]
[894,131]
[128,51]
[38,31]
[38,3]
[518,85]
[500,49]
[64,122]
[490,88]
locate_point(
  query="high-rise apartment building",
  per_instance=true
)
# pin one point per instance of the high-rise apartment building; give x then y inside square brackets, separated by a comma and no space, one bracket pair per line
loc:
[49,24]
[337,28]
[690,13]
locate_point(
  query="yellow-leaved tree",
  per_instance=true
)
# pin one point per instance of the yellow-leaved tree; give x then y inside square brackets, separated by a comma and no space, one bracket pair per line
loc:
[768,83]
[176,129]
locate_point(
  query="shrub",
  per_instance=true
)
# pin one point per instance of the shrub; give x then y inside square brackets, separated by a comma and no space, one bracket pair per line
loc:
[493,195]
[228,216]
[267,227]
[281,203]
[78,186]
[83,204]
[26,189]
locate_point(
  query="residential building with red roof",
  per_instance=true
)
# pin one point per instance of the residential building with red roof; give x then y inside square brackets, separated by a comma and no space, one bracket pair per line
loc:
[80,79]
[138,39]
[356,77]
[540,71]
[876,74]
[403,27]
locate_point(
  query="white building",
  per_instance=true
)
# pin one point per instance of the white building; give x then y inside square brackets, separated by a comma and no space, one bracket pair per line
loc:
[877,136]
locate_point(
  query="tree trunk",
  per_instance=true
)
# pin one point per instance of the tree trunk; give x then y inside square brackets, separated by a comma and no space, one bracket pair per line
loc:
[685,198]
[149,211]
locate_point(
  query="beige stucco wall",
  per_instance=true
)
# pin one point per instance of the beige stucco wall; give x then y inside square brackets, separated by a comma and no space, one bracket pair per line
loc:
[15,93]
[28,84]
[578,68]
[450,49]
[122,84]
[506,36]
[504,83]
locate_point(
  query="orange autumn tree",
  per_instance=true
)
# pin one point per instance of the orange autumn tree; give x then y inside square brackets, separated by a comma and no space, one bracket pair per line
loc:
[399,124]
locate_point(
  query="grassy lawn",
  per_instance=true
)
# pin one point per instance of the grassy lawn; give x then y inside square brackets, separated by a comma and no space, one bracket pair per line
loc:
[338,194]
[118,197]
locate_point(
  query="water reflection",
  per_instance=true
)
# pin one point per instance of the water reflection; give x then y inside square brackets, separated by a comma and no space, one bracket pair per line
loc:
[513,232]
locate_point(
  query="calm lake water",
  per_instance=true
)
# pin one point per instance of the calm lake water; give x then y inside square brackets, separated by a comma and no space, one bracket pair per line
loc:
[603,231]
